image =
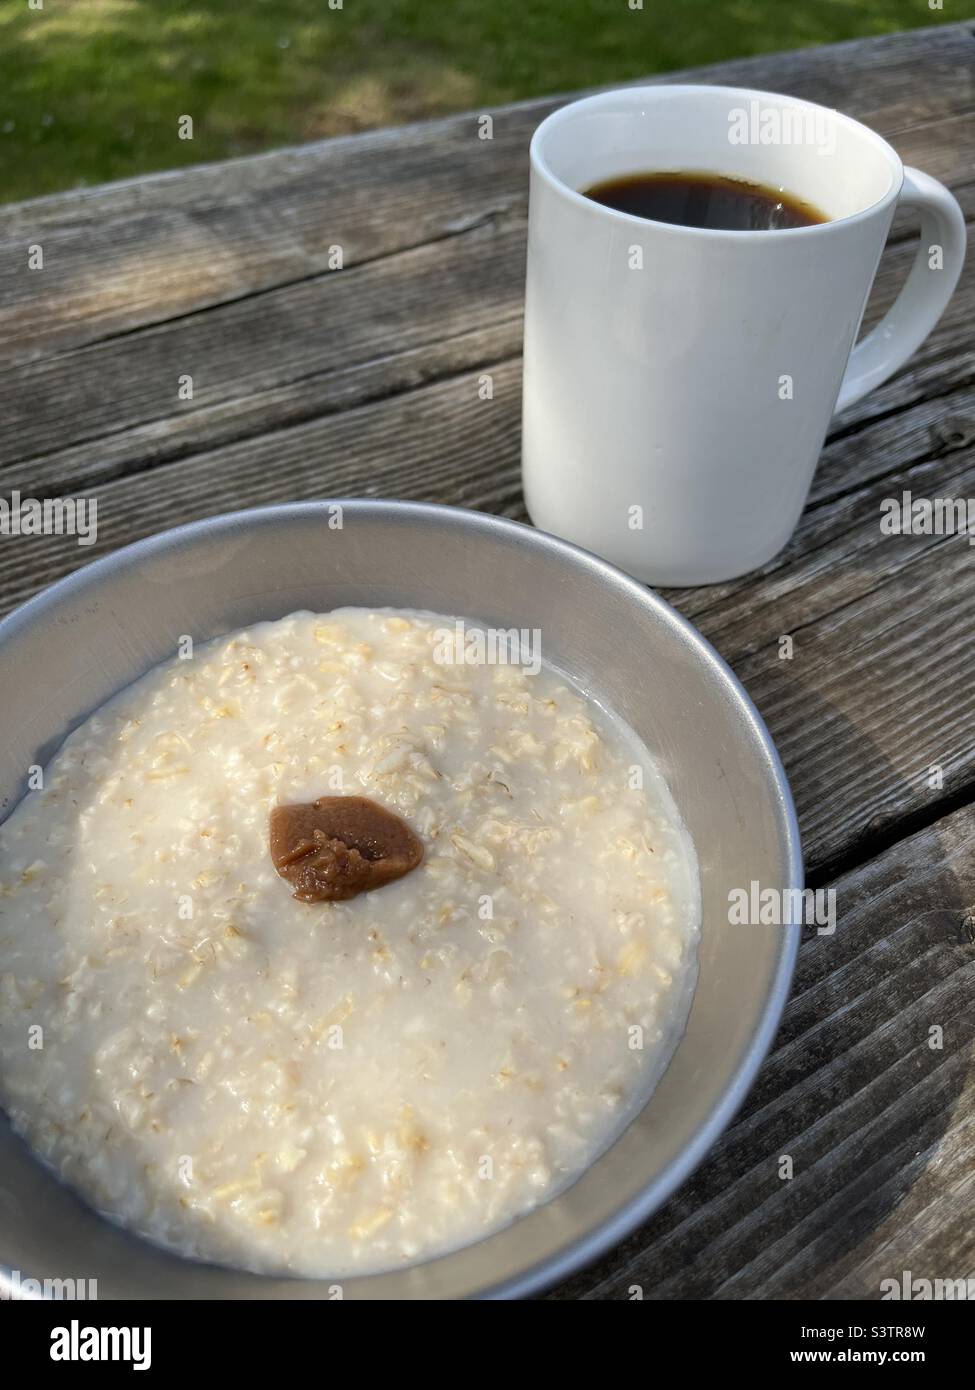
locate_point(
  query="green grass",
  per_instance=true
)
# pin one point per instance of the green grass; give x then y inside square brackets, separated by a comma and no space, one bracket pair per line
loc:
[92,90]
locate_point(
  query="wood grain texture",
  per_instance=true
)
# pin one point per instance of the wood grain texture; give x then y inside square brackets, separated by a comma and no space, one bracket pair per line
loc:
[878,1122]
[303,332]
[273,358]
[312,382]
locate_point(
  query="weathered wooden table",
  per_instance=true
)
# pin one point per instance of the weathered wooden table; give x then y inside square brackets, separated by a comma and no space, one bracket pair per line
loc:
[309,381]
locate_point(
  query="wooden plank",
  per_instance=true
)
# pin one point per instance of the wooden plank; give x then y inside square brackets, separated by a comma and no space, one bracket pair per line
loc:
[877,1121]
[326,324]
[299,337]
[424,443]
[263,411]
[138,252]
[873,717]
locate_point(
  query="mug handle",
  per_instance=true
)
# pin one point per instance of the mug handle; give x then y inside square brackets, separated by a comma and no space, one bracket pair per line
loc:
[924,296]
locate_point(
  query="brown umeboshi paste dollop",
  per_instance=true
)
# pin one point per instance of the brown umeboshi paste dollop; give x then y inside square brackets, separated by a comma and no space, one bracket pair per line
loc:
[339,846]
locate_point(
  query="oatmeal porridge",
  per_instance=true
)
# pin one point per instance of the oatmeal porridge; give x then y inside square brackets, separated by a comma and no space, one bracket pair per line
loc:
[340,1086]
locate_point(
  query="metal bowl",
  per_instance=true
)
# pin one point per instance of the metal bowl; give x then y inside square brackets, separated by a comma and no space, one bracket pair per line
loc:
[71,648]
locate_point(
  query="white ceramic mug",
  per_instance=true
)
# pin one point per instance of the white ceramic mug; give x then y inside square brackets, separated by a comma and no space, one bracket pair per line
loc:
[679,381]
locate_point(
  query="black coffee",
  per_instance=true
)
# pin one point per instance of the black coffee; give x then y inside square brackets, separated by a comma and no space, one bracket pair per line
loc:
[705,200]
